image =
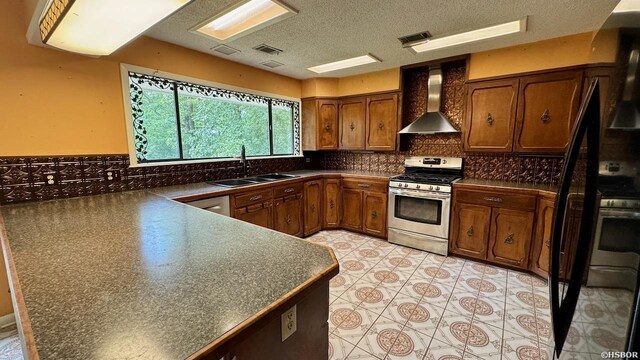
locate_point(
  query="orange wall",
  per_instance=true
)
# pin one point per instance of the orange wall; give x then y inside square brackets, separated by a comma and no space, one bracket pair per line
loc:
[58,103]
[548,54]
[319,87]
[384,80]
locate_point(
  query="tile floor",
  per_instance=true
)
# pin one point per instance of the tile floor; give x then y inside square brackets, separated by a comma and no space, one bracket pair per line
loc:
[393,302]
[10,344]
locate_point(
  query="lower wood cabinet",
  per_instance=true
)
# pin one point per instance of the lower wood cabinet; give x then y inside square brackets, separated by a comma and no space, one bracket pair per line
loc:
[375,213]
[470,231]
[542,240]
[312,206]
[510,237]
[287,210]
[254,207]
[352,209]
[332,203]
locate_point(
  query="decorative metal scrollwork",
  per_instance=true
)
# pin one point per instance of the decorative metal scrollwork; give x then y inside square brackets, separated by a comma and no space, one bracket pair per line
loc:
[490,119]
[509,239]
[470,231]
[545,118]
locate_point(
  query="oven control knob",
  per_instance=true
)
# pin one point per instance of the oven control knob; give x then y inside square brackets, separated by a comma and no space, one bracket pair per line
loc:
[437,187]
[417,186]
[430,187]
[406,185]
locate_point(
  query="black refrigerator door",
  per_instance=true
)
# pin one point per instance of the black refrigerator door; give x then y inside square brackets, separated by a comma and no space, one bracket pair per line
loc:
[574,216]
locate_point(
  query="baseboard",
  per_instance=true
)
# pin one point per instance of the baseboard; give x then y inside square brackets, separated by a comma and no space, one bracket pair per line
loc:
[7,320]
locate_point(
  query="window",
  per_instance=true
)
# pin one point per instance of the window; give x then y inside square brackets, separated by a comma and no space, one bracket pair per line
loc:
[180,121]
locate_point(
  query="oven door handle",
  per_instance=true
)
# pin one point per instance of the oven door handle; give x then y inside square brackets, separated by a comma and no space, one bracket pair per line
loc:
[419,194]
[618,214]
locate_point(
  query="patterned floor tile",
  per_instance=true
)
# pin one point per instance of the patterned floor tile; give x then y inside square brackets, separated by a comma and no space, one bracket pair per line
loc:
[483,341]
[517,347]
[440,350]
[355,325]
[452,329]
[380,337]
[425,318]
[359,354]
[339,348]
[409,345]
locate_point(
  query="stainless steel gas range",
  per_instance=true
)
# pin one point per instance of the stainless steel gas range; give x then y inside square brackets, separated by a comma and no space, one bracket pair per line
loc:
[420,203]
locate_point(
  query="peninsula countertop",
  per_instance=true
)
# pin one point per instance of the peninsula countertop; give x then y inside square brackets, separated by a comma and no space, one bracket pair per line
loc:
[137,275]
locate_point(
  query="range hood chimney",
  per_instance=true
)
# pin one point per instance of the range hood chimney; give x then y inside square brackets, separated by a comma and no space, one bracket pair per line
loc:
[627,116]
[433,121]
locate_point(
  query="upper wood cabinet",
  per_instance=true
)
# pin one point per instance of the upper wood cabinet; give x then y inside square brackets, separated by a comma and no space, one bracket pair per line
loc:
[382,122]
[491,115]
[332,203]
[319,124]
[510,236]
[312,206]
[527,114]
[352,124]
[547,109]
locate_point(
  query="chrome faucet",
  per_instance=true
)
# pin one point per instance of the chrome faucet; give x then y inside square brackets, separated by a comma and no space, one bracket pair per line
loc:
[243,161]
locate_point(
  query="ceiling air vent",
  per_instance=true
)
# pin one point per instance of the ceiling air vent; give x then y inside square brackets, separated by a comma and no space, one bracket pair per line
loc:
[268,49]
[414,39]
[272,64]
[224,49]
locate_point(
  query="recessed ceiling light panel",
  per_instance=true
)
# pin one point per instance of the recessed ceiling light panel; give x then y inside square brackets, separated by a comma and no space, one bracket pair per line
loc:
[343,64]
[98,27]
[625,6]
[490,32]
[242,18]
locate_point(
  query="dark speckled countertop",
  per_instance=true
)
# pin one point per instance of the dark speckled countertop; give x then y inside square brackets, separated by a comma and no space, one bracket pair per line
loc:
[550,189]
[137,275]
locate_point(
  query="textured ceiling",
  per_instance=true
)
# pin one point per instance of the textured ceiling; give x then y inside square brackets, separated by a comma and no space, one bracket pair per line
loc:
[329,30]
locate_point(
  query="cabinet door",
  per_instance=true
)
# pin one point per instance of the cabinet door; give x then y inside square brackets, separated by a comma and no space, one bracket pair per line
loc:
[352,124]
[352,209]
[327,124]
[375,213]
[312,206]
[510,236]
[490,116]
[288,215]
[259,214]
[332,203]
[382,122]
[547,108]
[470,230]
[542,243]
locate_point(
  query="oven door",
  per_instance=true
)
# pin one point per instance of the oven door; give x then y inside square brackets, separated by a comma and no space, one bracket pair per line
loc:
[616,241]
[420,212]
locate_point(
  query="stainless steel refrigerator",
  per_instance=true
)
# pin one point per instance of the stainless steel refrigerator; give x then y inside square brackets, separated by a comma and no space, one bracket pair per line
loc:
[595,241]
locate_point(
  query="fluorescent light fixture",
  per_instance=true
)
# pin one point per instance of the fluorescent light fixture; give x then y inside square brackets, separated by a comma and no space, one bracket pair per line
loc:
[99,27]
[625,6]
[472,36]
[244,17]
[343,64]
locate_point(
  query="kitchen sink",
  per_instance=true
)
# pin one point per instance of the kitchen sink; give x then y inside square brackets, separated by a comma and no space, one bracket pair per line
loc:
[258,179]
[232,182]
[277,176]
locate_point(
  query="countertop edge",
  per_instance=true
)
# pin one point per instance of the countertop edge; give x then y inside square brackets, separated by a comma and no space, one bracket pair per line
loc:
[541,192]
[27,339]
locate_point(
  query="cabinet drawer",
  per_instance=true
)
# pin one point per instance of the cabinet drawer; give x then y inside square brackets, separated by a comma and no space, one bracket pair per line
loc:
[253,197]
[365,185]
[497,199]
[287,190]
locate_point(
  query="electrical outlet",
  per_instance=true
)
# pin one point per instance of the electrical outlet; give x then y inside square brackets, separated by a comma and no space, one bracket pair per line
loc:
[51,178]
[112,175]
[289,323]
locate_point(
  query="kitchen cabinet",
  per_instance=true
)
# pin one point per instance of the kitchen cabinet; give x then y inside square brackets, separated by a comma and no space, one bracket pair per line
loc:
[352,209]
[375,213]
[542,240]
[510,237]
[313,195]
[547,107]
[382,122]
[352,124]
[319,124]
[254,207]
[332,203]
[470,230]
[287,209]
[490,116]
[492,225]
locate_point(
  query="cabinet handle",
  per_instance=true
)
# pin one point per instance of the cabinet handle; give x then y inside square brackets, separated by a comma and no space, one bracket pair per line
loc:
[470,231]
[493,199]
[327,127]
[380,125]
[509,239]
[374,214]
[313,207]
[547,243]
[332,203]
[352,126]
[287,219]
[289,190]
[363,185]
[490,119]
[312,183]
[545,118]
[254,198]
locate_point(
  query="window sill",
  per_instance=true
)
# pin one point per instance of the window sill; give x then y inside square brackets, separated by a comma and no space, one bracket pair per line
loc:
[187,162]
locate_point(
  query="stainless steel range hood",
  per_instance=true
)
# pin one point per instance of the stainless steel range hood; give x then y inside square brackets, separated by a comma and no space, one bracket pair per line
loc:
[433,121]
[627,116]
